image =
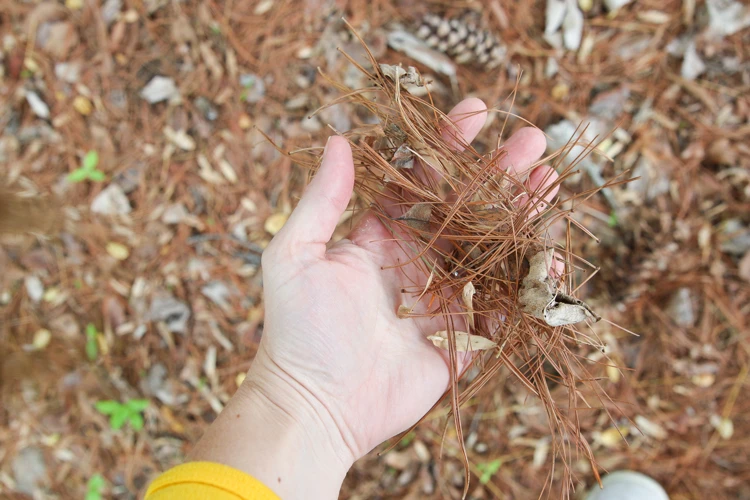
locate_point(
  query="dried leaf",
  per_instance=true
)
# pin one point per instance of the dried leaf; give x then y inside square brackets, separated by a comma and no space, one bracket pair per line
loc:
[418,217]
[275,222]
[465,342]
[468,296]
[83,105]
[540,298]
[403,157]
[403,311]
[117,250]
[724,426]
[649,428]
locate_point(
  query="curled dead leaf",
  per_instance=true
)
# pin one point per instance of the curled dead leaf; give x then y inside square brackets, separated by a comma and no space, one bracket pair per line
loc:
[403,311]
[403,157]
[406,77]
[468,296]
[465,342]
[540,297]
[418,217]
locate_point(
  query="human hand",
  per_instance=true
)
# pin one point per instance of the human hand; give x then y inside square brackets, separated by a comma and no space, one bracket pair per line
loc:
[336,364]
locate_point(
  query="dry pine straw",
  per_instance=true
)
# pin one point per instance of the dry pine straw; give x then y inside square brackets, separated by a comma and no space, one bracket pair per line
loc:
[473,231]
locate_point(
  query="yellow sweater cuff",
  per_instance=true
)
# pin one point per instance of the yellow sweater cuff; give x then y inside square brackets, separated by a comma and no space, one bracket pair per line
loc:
[207,480]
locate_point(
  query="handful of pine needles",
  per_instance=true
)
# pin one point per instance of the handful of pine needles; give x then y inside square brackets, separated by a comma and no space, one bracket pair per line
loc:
[491,270]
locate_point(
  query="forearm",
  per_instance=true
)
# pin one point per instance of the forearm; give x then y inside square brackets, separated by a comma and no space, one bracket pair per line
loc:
[286,449]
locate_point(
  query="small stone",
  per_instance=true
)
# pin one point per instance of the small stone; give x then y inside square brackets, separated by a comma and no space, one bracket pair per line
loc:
[37,105]
[160,88]
[703,380]
[275,222]
[111,201]
[34,288]
[74,4]
[297,102]
[560,91]
[83,105]
[118,251]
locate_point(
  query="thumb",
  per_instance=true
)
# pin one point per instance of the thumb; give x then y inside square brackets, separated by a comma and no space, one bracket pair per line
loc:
[325,199]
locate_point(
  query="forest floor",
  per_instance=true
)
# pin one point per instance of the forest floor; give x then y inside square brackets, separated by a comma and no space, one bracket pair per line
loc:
[140,122]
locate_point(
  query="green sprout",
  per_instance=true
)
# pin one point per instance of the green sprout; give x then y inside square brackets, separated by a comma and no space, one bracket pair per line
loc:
[95,487]
[488,470]
[612,221]
[120,413]
[92,346]
[88,170]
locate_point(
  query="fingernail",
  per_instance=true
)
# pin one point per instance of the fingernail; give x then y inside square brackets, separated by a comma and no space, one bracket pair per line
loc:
[328,141]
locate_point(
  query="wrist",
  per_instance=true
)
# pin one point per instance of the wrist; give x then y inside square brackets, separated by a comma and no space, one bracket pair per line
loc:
[273,433]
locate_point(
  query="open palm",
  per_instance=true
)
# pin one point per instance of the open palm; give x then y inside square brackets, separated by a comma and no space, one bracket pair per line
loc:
[333,342]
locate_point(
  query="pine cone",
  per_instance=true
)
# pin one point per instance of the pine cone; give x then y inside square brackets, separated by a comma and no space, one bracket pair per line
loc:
[462,39]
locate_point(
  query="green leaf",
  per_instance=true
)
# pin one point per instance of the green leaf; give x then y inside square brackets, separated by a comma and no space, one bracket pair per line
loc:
[488,470]
[96,483]
[78,175]
[92,349]
[93,495]
[137,405]
[97,176]
[91,331]
[107,407]
[91,161]
[118,419]
[612,221]
[136,421]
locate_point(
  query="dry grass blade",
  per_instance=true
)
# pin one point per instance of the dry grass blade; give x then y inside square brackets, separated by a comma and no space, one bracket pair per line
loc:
[485,239]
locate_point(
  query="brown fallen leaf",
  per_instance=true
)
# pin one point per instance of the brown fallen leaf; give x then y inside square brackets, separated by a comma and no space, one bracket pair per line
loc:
[540,297]
[403,157]
[465,342]
[418,217]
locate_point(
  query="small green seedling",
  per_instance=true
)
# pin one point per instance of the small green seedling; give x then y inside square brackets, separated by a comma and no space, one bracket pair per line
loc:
[120,413]
[612,221]
[95,487]
[88,169]
[92,345]
[488,470]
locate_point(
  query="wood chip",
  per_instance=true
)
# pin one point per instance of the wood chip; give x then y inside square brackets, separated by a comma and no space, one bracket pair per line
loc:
[465,342]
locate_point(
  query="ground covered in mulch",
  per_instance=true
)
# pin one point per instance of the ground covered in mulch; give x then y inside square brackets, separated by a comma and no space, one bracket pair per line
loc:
[139,124]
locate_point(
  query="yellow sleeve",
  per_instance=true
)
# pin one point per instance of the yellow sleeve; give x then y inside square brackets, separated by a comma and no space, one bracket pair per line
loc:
[207,480]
